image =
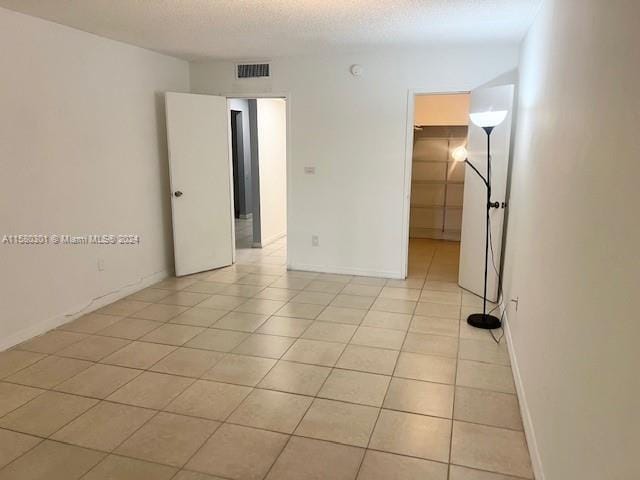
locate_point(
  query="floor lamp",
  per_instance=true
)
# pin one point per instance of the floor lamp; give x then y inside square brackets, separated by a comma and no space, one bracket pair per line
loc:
[487,121]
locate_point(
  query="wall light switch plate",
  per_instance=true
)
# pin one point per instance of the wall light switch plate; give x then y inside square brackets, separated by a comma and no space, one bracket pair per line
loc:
[315,241]
[101,264]
[310,170]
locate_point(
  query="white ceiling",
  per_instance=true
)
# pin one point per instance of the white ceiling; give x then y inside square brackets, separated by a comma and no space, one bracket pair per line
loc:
[257,29]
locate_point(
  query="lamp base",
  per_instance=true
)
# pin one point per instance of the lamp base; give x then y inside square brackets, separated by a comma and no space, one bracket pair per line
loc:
[484,321]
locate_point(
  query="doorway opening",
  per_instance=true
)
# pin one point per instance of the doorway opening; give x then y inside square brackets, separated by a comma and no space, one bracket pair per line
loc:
[445,202]
[440,125]
[227,163]
[259,159]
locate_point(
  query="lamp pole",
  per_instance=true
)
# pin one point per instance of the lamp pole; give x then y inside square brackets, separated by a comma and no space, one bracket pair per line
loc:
[484,320]
[486,244]
[487,121]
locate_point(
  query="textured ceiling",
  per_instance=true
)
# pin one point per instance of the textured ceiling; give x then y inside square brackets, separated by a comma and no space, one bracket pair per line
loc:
[256,29]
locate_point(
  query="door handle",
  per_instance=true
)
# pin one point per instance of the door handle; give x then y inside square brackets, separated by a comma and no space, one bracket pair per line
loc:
[178,193]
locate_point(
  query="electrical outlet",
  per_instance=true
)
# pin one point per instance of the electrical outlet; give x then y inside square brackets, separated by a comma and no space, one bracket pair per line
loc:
[315,241]
[101,264]
[310,170]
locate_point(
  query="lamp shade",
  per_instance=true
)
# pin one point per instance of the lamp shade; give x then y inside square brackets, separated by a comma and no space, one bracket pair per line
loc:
[459,154]
[488,119]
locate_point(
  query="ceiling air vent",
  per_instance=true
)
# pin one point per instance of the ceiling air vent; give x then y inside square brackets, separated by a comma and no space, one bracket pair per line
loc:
[252,70]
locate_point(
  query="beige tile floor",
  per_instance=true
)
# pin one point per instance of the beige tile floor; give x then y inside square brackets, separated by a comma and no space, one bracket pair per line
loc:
[253,372]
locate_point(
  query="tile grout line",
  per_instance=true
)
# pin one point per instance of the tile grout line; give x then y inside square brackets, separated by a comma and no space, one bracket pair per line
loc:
[226,354]
[386,393]
[221,423]
[453,405]
[98,402]
[306,410]
[334,442]
[231,352]
[238,406]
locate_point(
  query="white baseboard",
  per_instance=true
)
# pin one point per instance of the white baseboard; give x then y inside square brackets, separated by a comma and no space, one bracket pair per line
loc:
[360,272]
[85,307]
[529,431]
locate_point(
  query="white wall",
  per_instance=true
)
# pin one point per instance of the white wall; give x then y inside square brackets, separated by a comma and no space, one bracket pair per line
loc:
[272,159]
[82,150]
[354,130]
[572,244]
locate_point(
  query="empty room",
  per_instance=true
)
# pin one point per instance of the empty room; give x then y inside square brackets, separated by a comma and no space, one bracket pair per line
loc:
[312,240]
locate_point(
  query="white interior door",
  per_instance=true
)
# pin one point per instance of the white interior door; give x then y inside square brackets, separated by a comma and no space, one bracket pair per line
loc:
[201,185]
[472,244]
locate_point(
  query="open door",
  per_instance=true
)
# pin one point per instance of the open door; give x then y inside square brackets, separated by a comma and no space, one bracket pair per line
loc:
[472,243]
[200,177]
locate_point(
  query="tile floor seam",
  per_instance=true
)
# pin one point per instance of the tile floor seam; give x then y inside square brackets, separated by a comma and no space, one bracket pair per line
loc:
[225,421]
[257,387]
[163,410]
[48,438]
[256,267]
[395,366]
[99,401]
[104,452]
[184,345]
[17,347]
[476,469]
[113,452]
[109,452]
[22,405]
[221,422]
[142,371]
[100,361]
[23,453]
[307,411]
[453,404]
[225,354]
[6,379]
